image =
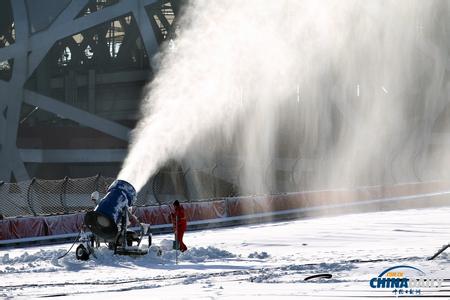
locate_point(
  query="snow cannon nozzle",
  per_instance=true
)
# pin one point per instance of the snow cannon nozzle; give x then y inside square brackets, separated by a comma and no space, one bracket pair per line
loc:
[105,219]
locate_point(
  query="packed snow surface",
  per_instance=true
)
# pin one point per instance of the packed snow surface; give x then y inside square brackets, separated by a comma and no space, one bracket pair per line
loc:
[258,261]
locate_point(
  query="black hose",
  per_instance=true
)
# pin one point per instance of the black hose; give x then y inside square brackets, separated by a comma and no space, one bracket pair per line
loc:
[76,240]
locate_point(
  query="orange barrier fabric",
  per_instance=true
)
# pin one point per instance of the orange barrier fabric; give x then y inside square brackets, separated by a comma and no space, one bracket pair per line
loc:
[40,226]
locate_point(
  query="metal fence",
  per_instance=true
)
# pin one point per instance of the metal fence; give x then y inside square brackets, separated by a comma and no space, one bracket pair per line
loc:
[68,195]
[51,197]
[48,197]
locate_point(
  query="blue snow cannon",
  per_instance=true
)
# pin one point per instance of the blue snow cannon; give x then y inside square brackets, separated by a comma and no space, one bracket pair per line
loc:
[104,220]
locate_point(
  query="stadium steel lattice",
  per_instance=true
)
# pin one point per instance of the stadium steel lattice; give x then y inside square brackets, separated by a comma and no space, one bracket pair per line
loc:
[74,68]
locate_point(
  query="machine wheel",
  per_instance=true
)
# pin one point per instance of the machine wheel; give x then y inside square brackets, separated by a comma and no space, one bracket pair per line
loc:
[129,241]
[81,253]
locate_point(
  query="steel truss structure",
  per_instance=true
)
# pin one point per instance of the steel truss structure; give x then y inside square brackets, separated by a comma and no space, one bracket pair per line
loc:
[71,74]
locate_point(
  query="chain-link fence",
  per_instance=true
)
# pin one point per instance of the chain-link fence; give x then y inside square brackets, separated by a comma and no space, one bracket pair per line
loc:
[68,195]
[50,197]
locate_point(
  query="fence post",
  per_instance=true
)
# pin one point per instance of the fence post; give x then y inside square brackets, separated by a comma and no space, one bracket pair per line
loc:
[97,180]
[63,194]
[1,205]
[186,185]
[226,207]
[293,170]
[266,176]
[147,193]
[237,184]
[154,187]
[213,173]
[29,201]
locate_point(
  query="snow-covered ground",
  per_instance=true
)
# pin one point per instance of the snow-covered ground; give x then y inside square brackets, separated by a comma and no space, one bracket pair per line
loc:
[263,261]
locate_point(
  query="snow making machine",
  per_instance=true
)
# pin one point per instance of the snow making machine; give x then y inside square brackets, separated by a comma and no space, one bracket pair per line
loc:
[109,222]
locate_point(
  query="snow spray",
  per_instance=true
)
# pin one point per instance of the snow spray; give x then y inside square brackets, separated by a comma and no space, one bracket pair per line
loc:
[348,89]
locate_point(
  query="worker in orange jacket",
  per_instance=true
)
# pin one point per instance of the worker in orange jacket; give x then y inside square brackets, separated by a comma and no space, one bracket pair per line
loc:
[179,224]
